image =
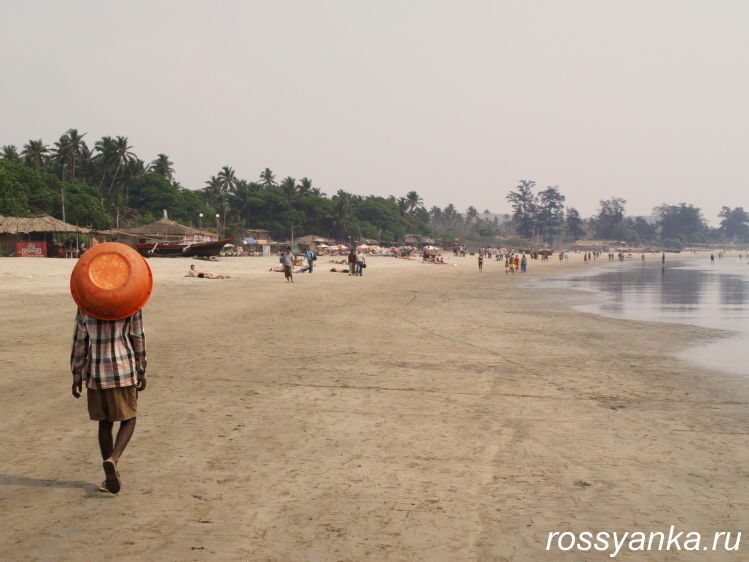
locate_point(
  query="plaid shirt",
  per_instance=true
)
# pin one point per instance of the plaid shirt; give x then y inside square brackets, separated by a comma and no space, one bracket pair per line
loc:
[106,353]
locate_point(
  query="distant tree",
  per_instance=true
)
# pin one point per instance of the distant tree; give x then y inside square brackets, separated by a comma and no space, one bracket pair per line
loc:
[343,213]
[733,224]
[9,152]
[450,213]
[35,154]
[550,213]
[289,187]
[680,222]
[609,223]
[305,185]
[228,179]
[415,202]
[574,224]
[162,166]
[267,178]
[471,214]
[524,207]
[646,232]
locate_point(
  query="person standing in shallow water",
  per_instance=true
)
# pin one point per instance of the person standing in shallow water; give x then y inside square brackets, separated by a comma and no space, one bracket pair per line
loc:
[110,356]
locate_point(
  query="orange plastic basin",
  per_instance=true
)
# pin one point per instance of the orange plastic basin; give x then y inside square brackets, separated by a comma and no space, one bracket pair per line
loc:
[111,281]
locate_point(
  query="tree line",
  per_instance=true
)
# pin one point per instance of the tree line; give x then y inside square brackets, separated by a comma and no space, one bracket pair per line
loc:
[542,216]
[108,186]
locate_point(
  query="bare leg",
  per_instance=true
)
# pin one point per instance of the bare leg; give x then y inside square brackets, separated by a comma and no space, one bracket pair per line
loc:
[105,439]
[127,428]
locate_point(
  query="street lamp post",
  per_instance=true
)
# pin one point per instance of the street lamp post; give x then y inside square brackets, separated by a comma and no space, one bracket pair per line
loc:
[200,220]
[62,191]
[218,228]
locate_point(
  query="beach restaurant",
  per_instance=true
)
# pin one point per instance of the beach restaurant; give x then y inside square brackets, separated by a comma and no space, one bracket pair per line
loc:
[38,237]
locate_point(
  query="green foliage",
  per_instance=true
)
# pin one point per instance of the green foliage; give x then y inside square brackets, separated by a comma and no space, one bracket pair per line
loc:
[733,224]
[680,222]
[26,191]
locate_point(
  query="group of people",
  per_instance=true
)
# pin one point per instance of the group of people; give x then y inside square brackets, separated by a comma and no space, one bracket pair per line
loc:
[513,262]
[357,263]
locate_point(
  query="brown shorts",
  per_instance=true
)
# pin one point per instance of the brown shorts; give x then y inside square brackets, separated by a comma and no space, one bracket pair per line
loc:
[112,404]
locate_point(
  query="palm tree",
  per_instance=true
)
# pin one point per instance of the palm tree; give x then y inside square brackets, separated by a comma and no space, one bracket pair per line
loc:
[228,179]
[76,145]
[9,152]
[471,214]
[450,212]
[403,206]
[213,188]
[414,201]
[162,166]
[267,177]
[35,153]
[121,155]
[343,212]
[305,185]
[288,185]
[242,199]
[436,213]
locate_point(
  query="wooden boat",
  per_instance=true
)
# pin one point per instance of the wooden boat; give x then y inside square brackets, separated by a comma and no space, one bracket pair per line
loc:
[205,249]
[159,249]
[173,250]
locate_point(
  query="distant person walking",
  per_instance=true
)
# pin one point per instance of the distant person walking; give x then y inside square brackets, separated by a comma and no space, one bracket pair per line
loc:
[524,264]
[352,262]
[311,257]
[712,259]
[361,263]
[288,266]
[481,261]
[663,259]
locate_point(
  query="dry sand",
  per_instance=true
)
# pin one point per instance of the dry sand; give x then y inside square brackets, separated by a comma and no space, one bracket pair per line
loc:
[419,413]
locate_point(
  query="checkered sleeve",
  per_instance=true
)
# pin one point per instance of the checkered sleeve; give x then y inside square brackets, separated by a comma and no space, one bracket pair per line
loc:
[79,353]
[138,340]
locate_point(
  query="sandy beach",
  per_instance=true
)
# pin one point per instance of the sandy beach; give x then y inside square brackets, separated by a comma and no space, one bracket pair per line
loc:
[421,412]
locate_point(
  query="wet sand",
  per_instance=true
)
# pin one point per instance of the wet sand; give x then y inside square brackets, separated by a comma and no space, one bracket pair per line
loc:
[419,413]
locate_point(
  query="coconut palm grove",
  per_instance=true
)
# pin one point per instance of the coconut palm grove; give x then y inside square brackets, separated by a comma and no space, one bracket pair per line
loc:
[105,184]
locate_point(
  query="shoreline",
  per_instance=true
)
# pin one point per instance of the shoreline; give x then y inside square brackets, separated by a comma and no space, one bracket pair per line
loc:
[416,413]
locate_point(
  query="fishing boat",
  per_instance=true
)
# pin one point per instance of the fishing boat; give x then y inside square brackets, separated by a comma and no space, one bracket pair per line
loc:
[205,249]
[174,250]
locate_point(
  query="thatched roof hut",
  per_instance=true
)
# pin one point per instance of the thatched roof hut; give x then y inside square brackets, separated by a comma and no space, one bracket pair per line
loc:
[43,223]
[35,236]
[166,230]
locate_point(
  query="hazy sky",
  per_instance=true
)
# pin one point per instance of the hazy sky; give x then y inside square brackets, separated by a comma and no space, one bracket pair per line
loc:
[647,100]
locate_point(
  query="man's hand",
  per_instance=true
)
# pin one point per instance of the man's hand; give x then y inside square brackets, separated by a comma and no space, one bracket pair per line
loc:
[140,385]
[77,388]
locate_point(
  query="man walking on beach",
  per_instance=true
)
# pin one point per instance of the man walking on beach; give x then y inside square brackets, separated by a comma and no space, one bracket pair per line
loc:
[110,356]
[352,262]
[288,266]
[311,257]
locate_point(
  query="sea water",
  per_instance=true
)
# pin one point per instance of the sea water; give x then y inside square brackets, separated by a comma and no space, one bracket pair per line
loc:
[688,291]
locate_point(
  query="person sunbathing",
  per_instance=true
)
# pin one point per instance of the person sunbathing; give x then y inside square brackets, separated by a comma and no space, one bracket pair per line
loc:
[192,272]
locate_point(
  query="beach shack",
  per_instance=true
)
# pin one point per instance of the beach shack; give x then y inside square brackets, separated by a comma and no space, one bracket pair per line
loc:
[257,241]
[166,230]
[418,241]
[38,237]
